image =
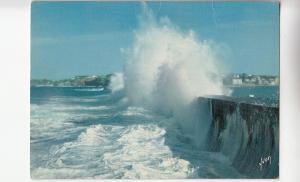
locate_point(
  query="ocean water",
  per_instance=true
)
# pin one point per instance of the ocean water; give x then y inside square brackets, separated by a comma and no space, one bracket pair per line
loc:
[91,133]
[261,95]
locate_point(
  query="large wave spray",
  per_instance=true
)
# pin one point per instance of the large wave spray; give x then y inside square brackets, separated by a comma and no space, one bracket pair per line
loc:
[168,67]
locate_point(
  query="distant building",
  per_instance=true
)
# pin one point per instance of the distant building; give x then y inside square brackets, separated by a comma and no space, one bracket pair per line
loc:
[249,79]
[237,81]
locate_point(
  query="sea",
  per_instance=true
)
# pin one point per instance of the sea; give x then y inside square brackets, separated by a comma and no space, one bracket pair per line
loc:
[84,132]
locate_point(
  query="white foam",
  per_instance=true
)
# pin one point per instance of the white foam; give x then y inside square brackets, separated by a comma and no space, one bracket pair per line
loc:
[54,119]
[137,151]
[145,155]
[134,111]
[90,89]
[82,108]
[74,99]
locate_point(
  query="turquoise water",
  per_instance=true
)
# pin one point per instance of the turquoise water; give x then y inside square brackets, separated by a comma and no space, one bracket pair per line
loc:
[90,133]
[262,95]
[258,91]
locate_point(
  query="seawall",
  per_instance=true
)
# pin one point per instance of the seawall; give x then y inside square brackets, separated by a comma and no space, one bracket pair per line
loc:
[248,134]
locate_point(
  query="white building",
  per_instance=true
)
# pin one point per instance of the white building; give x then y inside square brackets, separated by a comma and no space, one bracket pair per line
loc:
[237,81]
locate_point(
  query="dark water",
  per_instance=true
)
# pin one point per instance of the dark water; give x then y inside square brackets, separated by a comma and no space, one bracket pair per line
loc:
[258,91]
[261,95]
[88,133]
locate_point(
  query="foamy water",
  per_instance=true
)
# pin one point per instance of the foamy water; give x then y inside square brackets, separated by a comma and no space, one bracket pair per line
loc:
[101,139]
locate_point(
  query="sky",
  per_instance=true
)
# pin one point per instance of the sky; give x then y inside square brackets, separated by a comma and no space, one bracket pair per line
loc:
[87,38]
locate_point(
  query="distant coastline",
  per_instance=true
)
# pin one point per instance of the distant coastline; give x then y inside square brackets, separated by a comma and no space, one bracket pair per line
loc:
[231,80]
[77,81]
[249,80]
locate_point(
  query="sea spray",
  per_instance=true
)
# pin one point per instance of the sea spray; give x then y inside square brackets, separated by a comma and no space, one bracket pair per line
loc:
[168,68]
[116,82]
